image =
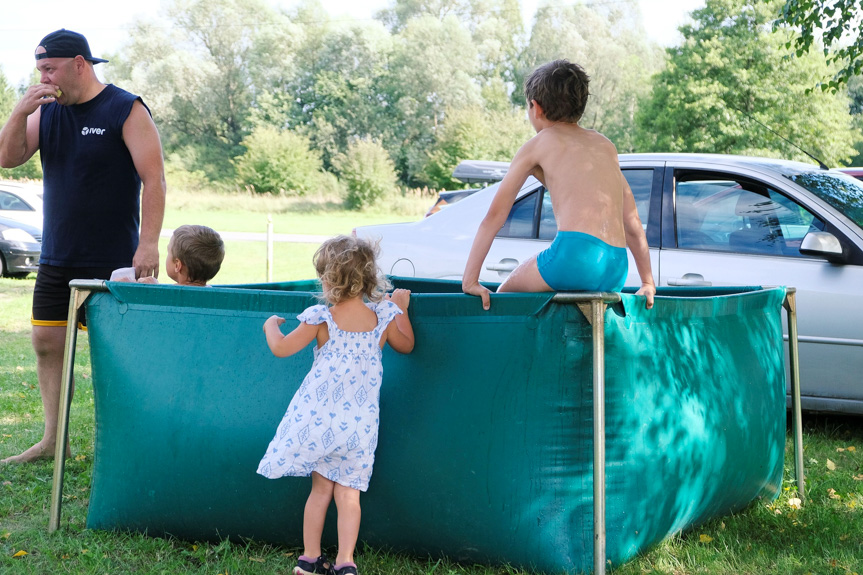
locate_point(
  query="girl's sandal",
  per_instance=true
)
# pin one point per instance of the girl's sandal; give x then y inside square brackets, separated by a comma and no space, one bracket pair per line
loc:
[309,566]
[346,569]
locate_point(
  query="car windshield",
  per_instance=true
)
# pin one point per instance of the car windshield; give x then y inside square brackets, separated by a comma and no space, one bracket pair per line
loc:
[840,191]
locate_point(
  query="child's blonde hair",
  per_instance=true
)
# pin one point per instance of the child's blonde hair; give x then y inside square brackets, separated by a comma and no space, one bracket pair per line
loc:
[201,250]
[347,267]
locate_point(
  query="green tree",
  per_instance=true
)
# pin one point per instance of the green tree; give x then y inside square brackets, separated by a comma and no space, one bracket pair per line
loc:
[338,88]
[474,134]
[278,162]
[367,172]
[495,27]
[730,78]
[855,95]
[610,43]
[32,169]
[832,24]
[433,69]
[202,73]
[8,97]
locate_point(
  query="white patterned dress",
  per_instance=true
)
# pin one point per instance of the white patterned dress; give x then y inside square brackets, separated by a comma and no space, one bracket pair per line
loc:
[331,425]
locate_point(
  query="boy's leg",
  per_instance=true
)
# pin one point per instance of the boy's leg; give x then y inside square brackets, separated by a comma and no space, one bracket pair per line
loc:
[348,505]
[315,514]
[524,278]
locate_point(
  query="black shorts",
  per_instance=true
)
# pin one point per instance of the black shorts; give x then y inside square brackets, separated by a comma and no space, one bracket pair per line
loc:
[51,293]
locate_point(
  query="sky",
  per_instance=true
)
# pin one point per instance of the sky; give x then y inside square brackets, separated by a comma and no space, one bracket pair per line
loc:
[105,23]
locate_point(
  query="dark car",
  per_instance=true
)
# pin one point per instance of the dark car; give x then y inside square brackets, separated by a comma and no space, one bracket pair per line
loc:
[470,172]
[20,247]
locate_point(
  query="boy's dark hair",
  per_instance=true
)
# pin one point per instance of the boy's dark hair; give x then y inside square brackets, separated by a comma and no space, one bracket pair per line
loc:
[560,87]
[201,250]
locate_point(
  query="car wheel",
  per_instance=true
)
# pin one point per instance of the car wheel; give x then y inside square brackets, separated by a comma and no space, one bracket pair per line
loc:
[2,266]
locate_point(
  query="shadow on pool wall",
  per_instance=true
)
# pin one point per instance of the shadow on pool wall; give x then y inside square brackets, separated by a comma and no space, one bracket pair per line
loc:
[485,452]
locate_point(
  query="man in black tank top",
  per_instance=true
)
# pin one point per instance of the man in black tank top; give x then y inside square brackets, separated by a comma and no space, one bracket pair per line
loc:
[102,167]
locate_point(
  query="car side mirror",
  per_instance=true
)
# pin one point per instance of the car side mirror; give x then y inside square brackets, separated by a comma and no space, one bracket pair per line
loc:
[823,245]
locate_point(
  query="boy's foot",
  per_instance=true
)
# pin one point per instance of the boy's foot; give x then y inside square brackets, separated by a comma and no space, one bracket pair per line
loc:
[310,566]
[35,453]
[346,569]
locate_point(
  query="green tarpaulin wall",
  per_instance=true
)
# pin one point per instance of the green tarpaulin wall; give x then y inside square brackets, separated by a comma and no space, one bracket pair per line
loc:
[485,449]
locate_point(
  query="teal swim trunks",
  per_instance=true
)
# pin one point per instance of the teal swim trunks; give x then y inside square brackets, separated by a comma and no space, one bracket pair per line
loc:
[580,262]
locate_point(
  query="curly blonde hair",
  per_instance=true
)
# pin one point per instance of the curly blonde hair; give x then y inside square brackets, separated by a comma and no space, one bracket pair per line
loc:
[347,267]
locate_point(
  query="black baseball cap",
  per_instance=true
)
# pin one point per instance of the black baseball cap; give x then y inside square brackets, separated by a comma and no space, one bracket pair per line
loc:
[66,44]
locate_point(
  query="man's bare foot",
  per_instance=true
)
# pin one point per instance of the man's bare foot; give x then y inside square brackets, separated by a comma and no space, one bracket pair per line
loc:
[35,453]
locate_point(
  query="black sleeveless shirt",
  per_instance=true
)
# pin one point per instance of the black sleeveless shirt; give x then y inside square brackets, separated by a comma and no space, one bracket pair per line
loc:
[91,197]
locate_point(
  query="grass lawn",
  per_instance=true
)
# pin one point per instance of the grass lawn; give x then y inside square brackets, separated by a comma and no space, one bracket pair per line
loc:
[825,536]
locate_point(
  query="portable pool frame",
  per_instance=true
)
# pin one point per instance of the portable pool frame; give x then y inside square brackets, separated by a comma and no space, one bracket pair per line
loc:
[592,305]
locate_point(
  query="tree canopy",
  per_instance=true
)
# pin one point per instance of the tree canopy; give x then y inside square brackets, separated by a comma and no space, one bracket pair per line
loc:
[834,26]
[731,88]
[284,101]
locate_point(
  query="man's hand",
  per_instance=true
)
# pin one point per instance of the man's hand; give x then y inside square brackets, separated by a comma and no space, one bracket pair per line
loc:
[478,290]
[146,260]
[36,96]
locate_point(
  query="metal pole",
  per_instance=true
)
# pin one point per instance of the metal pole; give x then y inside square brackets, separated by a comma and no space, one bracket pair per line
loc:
[790,305]
[80,290]
[269,248]
[597,315]
[65,401]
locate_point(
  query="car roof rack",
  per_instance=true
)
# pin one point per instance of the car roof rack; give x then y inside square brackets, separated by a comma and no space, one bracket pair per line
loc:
[474,171]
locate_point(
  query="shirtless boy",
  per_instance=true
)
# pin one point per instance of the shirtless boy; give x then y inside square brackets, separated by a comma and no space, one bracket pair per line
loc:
[595,210]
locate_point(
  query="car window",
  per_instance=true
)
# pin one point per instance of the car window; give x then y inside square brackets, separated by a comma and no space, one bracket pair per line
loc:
[521,222]
[731,215]
[840,191]
[12,202]
[522,217]
[641,184]
[547,223]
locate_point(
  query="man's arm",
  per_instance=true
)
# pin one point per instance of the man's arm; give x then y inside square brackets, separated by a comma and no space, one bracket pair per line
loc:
[142,140]
[19,138]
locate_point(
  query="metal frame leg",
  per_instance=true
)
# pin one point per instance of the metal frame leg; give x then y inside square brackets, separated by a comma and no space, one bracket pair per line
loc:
[76,300]
[597,315]
[790,305]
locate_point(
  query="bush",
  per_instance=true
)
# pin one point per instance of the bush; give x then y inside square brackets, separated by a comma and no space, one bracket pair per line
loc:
[29,170]
[278,162]
[473,134]
[367,172]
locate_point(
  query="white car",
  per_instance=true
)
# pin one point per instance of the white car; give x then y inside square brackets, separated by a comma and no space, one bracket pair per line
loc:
[710,220]
[21,202]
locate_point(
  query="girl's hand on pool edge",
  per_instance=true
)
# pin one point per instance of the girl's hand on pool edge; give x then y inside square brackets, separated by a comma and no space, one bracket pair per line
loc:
[273,320]
[400,297]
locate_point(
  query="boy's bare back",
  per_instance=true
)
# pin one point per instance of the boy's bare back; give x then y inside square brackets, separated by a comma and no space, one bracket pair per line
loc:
[596,214]
[579,168]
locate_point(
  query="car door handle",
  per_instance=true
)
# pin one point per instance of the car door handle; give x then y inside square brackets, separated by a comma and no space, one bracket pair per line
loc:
[689,280]
[504,265]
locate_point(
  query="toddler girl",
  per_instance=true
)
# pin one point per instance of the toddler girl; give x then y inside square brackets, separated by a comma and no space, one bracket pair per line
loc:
[330,429]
